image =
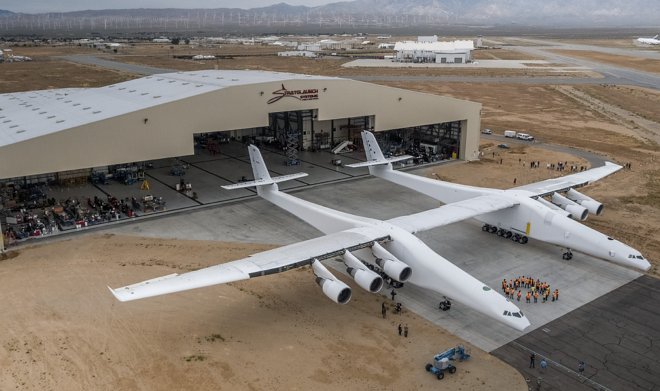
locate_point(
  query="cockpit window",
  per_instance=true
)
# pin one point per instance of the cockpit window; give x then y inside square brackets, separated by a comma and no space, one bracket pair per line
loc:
[517,315]
[609,238]
[640,257]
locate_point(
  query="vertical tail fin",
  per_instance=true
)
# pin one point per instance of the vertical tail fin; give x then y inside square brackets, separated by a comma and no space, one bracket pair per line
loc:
[261,174]
[374,154]
[371,147]
[259,169]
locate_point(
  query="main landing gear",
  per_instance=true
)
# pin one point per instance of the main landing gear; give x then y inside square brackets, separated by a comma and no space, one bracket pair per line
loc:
[568,255]
[522,239]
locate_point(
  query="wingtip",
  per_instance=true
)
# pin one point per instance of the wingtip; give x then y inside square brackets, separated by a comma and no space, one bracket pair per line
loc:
[114,293]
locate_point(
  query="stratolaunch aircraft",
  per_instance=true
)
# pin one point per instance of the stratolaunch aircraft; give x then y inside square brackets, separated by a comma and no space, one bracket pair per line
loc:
[528,215]
[650,41]
[357,242]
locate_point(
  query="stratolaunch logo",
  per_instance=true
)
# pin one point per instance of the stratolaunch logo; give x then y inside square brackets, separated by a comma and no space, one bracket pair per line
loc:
[310,94]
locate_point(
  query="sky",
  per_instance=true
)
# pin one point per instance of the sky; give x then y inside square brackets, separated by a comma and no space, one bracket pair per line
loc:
[39,6]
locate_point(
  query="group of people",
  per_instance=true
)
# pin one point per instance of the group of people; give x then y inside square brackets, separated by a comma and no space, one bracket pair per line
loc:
[544,364]
[535,289]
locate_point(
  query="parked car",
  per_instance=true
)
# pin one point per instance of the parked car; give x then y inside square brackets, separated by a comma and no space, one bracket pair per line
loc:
[503,146]
[487,131]
[525,136]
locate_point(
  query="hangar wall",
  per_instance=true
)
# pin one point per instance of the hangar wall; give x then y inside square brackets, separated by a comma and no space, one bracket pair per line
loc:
[167,130]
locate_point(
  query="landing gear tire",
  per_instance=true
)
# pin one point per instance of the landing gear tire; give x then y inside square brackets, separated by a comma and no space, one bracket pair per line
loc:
[492,229]
[524,240]
[508,234]
[486,228]
[500,232]
[515,238]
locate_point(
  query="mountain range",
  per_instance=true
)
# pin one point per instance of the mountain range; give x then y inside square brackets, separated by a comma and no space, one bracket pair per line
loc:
[358,14]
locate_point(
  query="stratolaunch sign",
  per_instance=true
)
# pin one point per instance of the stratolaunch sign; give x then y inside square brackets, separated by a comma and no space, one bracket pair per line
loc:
[309,94]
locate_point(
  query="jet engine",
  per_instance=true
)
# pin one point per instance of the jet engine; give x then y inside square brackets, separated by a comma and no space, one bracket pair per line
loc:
[336,290]
[390,264]
[365,278]
[592,205]
[577,211]
[554,207]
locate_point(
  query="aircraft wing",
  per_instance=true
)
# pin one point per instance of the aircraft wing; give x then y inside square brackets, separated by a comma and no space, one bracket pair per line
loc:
[452,213]
[550,186]
[264,263]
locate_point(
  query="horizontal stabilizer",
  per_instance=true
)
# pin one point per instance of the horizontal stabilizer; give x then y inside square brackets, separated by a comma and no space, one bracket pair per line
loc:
[379,162]
[263,182]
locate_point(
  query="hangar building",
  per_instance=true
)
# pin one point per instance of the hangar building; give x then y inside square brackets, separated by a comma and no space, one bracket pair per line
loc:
[154,117]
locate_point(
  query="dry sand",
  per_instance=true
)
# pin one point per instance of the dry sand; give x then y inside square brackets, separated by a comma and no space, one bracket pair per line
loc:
[63,330]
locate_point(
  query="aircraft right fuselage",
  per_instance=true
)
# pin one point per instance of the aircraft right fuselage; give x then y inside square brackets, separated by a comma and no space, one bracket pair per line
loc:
[529,218]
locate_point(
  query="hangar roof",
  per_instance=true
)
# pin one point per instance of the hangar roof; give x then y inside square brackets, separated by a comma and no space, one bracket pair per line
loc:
[26,115]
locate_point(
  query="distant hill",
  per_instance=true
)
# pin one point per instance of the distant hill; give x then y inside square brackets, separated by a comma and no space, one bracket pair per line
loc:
[350,15]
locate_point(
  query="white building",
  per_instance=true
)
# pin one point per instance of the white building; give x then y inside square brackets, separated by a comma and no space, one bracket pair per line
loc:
[436,52]
[297,53]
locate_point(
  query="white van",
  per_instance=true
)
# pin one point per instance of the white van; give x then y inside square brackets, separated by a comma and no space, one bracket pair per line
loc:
[525,136]
[510,133]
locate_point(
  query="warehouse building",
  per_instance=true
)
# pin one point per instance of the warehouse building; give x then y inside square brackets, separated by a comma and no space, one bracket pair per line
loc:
[73,158]
[158,117]
[429,51]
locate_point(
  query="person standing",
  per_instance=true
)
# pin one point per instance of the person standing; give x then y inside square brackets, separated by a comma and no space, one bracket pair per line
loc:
[405,331]
[532,359]
[544,364]
[393,293]
[383,310]
[581,367]
[400,329]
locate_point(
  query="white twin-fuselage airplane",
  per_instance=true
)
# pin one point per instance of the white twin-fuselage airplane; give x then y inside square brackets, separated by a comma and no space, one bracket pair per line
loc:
[524,213]
[649,41]
[356,241]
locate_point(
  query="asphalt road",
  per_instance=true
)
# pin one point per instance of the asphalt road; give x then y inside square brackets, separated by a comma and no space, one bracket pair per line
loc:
[615,335]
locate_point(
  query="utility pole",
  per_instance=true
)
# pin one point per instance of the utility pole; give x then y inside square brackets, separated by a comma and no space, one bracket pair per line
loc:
[2,241]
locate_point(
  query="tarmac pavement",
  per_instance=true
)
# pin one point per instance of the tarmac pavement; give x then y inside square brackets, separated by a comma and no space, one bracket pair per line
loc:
[487,257]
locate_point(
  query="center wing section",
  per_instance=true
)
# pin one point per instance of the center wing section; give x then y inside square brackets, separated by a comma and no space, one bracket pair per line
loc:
[452,213]
[550,186]
[267,262]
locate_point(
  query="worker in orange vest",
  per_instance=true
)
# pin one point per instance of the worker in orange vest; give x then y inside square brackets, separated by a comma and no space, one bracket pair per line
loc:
[536,296]
[528,296]
[519,295]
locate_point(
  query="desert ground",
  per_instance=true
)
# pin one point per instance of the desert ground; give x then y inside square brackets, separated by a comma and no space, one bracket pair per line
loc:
[65,331]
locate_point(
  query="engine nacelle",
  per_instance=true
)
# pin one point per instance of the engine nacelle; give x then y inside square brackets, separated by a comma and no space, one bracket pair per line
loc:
[577,211]
[554,207]
[592,205]
[394,268]
[365,278]
[336,290]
